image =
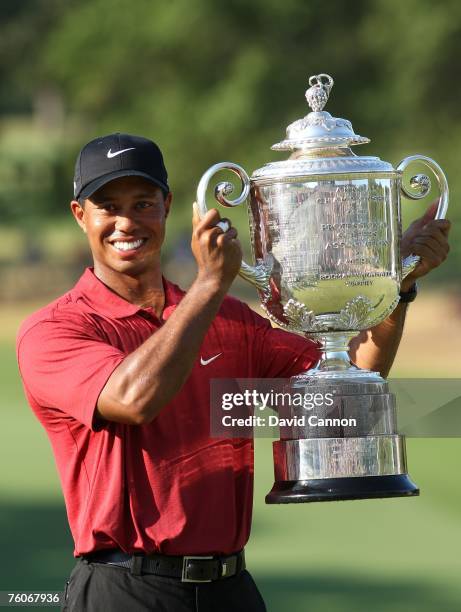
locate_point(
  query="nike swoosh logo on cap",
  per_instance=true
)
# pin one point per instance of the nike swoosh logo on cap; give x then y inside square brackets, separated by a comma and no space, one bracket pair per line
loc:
[207,361]
[110,154]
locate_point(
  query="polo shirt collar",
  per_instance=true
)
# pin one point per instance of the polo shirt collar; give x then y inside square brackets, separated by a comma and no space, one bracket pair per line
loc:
[100,298]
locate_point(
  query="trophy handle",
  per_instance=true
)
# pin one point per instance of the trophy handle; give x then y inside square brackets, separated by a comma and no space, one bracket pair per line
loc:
[256,275]
[421,185]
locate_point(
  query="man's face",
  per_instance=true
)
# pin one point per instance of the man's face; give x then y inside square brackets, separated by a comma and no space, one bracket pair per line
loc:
[125,224]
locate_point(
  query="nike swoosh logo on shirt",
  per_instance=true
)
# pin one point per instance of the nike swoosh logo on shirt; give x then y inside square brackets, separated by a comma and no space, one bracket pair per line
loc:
[110,154]
[207,361]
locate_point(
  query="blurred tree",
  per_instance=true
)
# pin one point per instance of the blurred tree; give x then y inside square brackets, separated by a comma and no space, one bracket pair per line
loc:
[212,80]
[22,29]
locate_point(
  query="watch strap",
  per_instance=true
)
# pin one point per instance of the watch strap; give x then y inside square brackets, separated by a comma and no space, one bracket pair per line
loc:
[409,296]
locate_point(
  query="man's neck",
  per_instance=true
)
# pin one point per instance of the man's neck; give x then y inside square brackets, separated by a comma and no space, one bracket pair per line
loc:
[143,290]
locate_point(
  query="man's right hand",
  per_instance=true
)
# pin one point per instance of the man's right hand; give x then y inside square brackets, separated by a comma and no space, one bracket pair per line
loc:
[150,376]
[218,254]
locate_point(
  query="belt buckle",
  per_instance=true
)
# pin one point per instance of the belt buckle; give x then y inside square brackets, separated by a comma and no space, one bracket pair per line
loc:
[184,577]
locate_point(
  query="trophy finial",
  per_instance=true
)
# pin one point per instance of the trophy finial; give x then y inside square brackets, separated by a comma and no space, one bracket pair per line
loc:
[319,90]
[318,129]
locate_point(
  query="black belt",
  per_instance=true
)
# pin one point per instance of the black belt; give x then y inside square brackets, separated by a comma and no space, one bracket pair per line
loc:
[190,568]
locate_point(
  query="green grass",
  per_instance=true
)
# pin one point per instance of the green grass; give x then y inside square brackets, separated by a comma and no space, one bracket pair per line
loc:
[399,555]
[394,554]
[28,471]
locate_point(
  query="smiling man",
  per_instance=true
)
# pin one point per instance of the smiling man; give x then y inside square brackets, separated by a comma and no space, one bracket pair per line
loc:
[118,369]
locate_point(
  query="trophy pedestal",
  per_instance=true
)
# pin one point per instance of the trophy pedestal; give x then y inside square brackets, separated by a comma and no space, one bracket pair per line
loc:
[347,448]
[334,469]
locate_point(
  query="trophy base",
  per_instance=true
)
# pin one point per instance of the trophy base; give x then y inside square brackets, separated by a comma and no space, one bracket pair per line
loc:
[333,469]
[341,489]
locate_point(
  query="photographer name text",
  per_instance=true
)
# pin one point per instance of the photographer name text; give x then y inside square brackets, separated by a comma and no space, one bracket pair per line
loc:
[298,421]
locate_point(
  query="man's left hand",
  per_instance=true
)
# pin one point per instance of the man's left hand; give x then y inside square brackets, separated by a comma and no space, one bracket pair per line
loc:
[428,238]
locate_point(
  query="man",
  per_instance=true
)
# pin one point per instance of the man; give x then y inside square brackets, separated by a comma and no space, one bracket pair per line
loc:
[118,370]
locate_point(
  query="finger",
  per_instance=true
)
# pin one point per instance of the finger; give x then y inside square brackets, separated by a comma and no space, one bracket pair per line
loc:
[430,212]
[438,224]
[217,230]
[197,217]
[230,235]
[210,235]
[223,226]
[443,225]
[433,227]
[432,232]
[427,216]
[195,214]
[225,242]
[208,221]
[236,243]
[436,232]
[437,242]
[429,258]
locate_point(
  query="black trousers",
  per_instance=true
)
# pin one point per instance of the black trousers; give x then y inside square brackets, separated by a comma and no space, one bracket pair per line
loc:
[100,587]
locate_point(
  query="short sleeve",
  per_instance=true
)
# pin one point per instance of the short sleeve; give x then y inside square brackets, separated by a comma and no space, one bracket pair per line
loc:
[64,365]
[281,354]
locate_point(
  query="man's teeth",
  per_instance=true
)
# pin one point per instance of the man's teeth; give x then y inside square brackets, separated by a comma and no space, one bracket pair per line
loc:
[127,246]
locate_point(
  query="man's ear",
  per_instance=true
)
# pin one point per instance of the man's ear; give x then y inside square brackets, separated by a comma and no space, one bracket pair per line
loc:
[167,203]
[79,214]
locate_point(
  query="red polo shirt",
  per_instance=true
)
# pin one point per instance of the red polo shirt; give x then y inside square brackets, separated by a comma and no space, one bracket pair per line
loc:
[165,486]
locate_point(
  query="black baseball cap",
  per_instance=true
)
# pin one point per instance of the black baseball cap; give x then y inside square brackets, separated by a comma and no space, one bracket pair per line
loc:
[110,157]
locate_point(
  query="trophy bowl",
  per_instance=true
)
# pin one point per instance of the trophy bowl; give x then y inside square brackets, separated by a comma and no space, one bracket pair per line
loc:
[325,228]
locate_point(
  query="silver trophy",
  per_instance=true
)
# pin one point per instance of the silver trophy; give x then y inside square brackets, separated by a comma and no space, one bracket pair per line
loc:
[325,229]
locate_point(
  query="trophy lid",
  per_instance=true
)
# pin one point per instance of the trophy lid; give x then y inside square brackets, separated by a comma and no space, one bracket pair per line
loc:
[318,129]
[320,144]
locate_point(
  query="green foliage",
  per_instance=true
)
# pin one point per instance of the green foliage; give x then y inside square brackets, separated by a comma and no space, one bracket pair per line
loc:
[211,80]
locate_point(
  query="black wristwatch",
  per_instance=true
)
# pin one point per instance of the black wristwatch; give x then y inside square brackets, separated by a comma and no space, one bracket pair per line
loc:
[410,295]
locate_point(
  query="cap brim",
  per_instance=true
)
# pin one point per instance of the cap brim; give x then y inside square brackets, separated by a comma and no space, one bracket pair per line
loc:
[89,189]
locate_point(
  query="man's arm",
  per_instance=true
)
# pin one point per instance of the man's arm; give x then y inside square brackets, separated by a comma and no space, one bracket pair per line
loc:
[376,348]
[149,377]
